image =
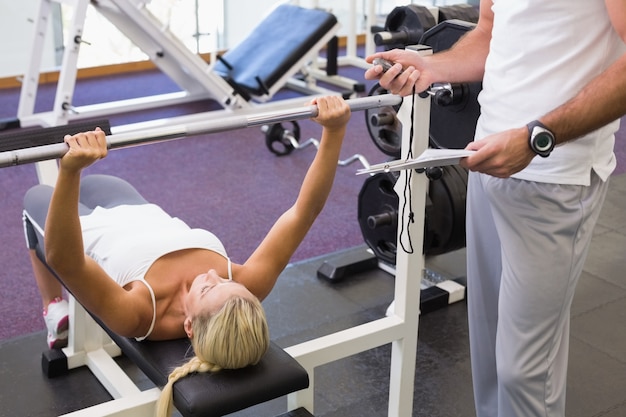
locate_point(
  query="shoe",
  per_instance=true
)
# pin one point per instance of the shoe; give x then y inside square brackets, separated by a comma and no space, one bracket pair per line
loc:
[56,317]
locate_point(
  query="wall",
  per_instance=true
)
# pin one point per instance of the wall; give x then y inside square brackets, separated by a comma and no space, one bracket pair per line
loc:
[16,31]
[221,24]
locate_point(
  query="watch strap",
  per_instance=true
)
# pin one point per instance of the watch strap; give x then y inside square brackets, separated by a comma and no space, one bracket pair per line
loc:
[536,123]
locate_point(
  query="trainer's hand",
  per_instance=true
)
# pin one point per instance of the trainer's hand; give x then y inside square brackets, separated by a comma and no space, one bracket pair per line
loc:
[500,155]
[409,70]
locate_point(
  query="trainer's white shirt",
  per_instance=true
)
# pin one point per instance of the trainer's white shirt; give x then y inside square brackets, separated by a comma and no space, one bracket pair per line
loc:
[542,53]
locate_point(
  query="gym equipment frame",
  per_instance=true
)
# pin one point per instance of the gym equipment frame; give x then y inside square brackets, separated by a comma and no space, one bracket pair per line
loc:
[351,57]
[188,70]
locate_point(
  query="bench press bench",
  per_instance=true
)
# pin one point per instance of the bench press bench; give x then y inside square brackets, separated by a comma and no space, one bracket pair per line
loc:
[202,394]
[220,393]
[276,49]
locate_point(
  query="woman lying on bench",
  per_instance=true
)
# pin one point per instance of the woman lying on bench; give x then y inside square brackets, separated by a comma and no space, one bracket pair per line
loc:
[147,275]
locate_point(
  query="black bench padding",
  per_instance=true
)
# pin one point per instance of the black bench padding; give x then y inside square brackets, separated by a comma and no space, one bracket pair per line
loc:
[219,393]
[274,47]
[212,394]
[31,137]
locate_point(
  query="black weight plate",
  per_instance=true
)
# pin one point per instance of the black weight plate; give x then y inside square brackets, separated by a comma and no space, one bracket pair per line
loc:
[458,197]
[465,12]
[386,136]
[377,197]
[275,138]
[440,222]
[407,24]
[452,126]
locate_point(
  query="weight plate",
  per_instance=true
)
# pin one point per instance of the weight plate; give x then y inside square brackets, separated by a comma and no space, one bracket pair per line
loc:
[452,126]
[384,127]
[276,138]
[378,215]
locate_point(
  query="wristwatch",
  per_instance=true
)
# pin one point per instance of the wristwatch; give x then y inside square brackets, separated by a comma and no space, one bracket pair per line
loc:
[540,138]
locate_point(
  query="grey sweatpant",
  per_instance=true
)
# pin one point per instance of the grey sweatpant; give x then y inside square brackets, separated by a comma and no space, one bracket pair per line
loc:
[526,247]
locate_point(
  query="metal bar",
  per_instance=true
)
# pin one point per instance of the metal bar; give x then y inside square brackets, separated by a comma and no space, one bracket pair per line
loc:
[57,150]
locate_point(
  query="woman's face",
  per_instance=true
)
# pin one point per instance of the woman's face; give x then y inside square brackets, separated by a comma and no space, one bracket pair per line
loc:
[209,292]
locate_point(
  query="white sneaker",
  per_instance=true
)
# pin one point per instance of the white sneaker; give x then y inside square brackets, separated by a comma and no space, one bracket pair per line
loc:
[56,317]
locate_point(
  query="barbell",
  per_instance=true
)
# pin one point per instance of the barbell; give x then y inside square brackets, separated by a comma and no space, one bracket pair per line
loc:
[230,122]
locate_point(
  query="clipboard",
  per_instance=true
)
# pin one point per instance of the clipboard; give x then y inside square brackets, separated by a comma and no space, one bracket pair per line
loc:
[431,157]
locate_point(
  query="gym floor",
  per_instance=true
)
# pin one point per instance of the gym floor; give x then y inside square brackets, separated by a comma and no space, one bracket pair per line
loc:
[304,306]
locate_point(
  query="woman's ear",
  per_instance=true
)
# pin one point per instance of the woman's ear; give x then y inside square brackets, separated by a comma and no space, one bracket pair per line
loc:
[188,328]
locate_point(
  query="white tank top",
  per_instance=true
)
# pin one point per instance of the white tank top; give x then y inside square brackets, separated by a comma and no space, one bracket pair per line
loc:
[126,240]
[542,53]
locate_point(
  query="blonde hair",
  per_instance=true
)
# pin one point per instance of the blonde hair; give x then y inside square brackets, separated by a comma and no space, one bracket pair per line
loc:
[234,337]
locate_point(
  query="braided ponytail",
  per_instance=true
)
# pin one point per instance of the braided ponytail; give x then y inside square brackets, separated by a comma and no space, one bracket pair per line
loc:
[164,405]
[234,337]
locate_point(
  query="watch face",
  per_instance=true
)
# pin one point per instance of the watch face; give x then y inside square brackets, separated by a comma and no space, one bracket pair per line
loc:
[543,141]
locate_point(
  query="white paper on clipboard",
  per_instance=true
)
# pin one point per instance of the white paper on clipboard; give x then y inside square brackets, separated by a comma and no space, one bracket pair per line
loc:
[431,157]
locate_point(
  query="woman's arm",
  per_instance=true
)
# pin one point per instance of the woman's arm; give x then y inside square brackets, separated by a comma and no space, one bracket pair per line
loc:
[63,242]
[260,271]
